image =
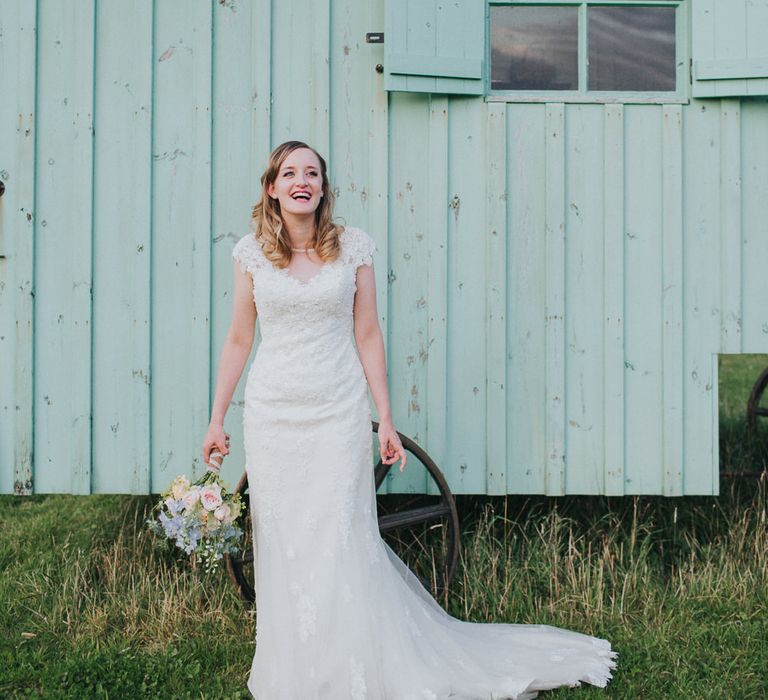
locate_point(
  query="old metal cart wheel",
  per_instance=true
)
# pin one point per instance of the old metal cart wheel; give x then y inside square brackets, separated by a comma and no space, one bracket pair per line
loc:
[754,409]
[407,528]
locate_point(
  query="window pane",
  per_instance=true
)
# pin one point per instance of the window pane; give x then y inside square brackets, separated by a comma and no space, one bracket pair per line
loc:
[534,48]
[631,48]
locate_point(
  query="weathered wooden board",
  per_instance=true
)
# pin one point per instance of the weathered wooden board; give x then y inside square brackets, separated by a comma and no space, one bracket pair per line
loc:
[181,240]
[18,134]
[122,248]
[64,248]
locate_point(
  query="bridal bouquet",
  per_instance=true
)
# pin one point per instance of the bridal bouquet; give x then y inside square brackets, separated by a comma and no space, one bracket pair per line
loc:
[199,517]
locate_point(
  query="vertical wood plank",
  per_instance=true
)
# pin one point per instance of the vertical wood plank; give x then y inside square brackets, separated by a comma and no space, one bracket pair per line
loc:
[121,248]
[262,130]
[496,300]
[262,72]
[526,294]
[181,246]
[302,73]
[583,324]
[17,171]
[466,296]
[359,138]
[613,301]
[320,94]
[437,272]
[555,308]
[672,298]
[730,225]
[63,242]
[240,146]
[754,141]
[378,149]
[701,294]
[352,82]
[714,428]
[643,300]
[408,251]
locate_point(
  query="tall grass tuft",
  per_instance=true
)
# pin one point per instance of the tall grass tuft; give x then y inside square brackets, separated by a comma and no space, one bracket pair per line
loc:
[530,559]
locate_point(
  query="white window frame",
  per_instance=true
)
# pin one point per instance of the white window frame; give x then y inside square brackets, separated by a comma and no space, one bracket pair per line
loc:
[682,53]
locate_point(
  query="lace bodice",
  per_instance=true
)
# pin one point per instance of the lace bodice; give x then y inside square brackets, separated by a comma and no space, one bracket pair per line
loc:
[323,300]
[307,346]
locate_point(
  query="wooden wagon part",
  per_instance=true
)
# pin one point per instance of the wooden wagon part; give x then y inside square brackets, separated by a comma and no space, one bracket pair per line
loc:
[442,514]
[754,409]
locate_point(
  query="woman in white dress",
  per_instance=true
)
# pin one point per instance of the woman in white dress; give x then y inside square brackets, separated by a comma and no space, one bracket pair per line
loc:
[339,615]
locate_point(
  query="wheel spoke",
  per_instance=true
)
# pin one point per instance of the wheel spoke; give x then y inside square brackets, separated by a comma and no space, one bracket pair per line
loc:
[247,558]
[413,517]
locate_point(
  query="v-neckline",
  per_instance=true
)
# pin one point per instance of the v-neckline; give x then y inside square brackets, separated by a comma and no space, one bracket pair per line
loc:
[300,282]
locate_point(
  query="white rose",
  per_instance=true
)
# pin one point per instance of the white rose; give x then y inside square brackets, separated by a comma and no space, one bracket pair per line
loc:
[190,498]
[222,512]
[210,497]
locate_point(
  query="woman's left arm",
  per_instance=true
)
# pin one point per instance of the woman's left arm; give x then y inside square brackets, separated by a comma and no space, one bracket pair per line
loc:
[370,348]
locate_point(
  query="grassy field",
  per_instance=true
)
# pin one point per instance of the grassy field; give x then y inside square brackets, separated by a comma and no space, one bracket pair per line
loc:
[679,585]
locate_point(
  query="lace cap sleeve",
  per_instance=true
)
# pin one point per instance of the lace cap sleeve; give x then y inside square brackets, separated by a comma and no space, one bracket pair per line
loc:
[248,253]
[359,247]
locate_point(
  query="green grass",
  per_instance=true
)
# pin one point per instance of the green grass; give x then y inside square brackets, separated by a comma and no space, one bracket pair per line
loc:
[112,616]
[679,585]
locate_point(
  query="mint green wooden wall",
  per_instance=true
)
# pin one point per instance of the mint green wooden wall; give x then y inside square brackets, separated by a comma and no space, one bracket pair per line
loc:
[555,280]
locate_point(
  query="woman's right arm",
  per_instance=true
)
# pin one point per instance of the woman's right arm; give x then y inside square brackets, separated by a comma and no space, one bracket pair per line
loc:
[234,355]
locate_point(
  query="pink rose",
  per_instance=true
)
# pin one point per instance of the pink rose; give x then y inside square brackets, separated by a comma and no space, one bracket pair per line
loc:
[210,497]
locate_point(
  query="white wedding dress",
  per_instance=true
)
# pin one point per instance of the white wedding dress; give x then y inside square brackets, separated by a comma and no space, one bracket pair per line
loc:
[339,615]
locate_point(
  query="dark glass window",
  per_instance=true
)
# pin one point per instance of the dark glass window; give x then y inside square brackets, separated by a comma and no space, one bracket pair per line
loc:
[629,48]
[534,48]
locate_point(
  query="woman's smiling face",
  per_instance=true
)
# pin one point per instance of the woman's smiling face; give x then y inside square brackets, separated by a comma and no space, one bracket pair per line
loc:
[299,184]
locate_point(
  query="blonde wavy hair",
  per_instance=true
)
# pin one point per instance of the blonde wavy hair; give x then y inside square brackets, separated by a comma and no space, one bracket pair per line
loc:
[267,222]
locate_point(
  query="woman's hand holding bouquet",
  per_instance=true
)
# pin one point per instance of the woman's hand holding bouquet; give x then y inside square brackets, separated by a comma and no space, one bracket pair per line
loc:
[200,517]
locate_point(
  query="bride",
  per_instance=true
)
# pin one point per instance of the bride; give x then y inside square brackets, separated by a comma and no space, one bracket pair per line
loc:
[339,614]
